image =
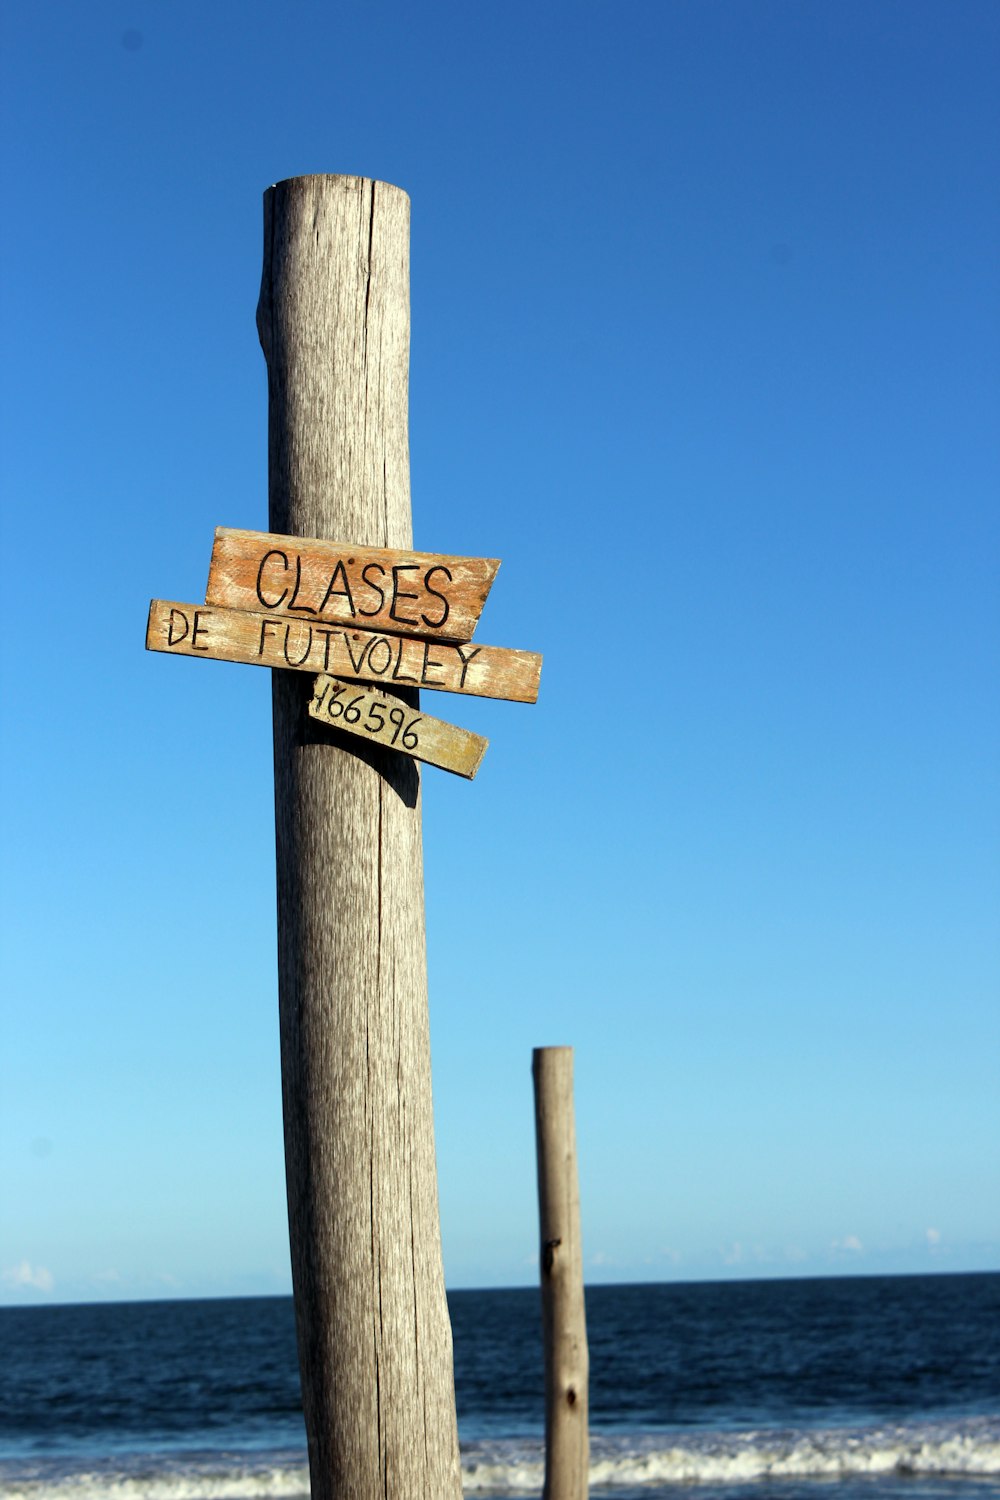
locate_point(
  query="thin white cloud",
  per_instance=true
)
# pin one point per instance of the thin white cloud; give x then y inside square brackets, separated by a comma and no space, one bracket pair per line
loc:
[933,1237]
[27,1275]
[850,1245]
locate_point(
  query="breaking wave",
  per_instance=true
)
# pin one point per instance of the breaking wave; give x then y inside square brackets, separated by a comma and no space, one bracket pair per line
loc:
[648,1462]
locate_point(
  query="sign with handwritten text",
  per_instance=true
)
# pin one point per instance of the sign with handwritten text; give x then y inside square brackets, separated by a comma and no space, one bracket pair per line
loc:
[373,714]
[269,640]
[406,593]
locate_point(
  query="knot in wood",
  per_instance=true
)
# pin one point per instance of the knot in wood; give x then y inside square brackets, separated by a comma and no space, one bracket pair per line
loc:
[549,1255]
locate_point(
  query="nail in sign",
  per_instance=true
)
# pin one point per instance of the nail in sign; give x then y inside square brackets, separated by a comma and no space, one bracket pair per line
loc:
[407,593]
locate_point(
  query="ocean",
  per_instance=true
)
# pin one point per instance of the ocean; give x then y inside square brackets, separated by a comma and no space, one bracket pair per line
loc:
[880,1388]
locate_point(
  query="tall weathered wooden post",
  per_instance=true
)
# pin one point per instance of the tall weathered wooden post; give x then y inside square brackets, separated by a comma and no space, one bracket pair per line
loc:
[334,599]
[373,1330]
[564,1322]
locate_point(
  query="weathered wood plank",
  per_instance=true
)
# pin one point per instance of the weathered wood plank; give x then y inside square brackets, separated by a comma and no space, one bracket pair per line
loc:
[379,716]
[407,593]
[264,640]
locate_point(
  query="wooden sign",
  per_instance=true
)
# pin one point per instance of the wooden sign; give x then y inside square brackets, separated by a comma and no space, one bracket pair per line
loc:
[375,715]
[267,640]
[406,593]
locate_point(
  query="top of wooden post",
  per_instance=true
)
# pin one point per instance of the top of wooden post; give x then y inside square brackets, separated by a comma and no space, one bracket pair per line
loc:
[350,181]
[334,324]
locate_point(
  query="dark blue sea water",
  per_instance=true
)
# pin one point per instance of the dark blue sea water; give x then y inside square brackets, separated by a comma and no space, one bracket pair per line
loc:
[868,1389]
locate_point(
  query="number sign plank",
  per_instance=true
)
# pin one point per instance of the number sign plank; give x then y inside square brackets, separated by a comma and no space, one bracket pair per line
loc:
[309,646]
[407,593]
[371,714]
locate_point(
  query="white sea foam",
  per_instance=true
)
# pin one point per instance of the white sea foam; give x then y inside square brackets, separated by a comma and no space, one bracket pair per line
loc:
[971,1448]
[180,1483]
[654,1462]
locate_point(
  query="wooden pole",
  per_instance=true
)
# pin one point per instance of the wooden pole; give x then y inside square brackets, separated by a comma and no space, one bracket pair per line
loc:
[564,1320]
[374,1338]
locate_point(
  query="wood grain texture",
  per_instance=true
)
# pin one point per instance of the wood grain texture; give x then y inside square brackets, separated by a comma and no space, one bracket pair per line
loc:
[269,640]
[407,593]
[374,1337]
[564,1321]
[383,719]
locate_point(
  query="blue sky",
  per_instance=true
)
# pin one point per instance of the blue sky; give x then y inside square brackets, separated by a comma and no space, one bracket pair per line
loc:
[705,348]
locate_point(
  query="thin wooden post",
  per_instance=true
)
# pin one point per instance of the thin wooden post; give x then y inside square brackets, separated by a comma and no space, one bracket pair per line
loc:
[564,1319]
[374,1338]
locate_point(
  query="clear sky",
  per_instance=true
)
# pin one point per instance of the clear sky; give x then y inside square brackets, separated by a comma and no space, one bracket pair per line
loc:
[705,348]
